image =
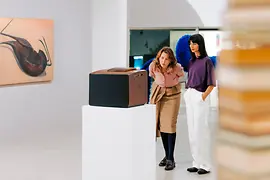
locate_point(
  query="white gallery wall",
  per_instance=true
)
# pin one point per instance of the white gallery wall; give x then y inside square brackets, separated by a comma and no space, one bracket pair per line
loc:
[40,125]
[111,21]
[175,13]
[209,11]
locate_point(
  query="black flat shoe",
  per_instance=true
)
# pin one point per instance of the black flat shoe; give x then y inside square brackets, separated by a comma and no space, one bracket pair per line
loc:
[163,162]
[192,169]
[170,165]
[203,171]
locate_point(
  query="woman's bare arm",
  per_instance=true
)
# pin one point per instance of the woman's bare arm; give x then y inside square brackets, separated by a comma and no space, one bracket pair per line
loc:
[207,92]
[151,70]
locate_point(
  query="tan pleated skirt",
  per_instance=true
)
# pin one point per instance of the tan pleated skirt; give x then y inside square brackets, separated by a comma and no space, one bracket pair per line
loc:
[167,102]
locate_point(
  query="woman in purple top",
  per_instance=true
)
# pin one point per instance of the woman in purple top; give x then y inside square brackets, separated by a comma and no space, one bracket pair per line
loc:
[200,83]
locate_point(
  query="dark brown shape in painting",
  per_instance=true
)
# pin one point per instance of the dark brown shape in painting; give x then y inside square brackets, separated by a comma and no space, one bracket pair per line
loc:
[31,62]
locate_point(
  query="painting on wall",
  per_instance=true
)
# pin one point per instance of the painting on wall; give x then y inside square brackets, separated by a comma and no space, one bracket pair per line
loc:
[26,51]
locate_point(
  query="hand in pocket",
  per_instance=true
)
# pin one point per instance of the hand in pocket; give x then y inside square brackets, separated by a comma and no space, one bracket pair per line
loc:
[203,97]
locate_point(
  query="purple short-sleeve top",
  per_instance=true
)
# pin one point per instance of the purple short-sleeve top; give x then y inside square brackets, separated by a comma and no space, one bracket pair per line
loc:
[201,74]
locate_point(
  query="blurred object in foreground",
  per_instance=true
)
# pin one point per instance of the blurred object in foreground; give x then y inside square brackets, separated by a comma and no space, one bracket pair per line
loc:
[243,141]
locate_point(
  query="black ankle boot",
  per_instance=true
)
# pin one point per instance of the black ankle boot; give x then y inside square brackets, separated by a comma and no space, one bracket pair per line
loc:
[170,165]
[192,169]
[163,162]
[203,171]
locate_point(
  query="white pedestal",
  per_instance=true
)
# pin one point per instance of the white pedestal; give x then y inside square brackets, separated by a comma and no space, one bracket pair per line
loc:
[119,143]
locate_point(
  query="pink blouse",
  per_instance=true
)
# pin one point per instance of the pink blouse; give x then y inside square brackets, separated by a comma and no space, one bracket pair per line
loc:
[167,79]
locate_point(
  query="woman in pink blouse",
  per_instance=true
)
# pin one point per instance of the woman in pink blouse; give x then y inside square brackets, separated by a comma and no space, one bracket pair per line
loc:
[165,93]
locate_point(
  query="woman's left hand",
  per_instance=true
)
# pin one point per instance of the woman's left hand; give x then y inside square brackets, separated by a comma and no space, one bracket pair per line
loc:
[207,92]
[204,96]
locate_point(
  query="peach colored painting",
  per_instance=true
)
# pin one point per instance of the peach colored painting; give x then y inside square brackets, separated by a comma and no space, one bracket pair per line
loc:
[26,51]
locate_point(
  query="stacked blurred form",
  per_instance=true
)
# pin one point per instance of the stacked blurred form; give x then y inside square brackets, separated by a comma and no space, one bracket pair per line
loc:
[243,142]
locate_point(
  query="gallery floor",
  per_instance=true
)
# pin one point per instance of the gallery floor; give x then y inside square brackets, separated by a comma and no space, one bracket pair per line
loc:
[182,151]
[52,158]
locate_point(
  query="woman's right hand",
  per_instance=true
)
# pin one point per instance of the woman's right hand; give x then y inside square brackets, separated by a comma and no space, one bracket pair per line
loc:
[179,70]
[152,70]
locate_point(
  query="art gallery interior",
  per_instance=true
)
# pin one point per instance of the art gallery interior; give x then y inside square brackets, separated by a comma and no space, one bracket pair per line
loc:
[41,124]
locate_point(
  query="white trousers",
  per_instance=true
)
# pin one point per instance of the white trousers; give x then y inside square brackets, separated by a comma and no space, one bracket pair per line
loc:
[197,112]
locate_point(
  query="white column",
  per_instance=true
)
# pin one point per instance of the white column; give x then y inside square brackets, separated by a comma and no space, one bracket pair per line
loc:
[109,34]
